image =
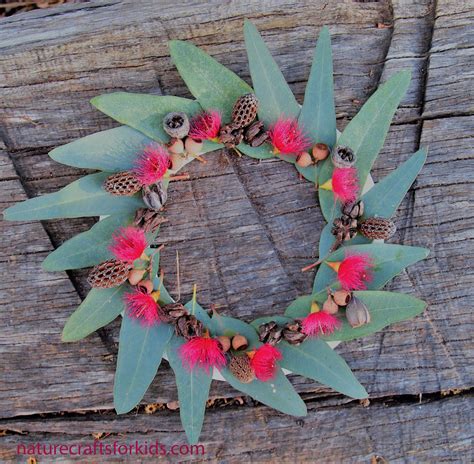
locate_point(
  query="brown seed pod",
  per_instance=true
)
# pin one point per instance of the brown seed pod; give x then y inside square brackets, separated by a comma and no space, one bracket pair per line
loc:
[122,184]
[171,312]
[231,135]
[320,151]
[353,210]
[357,313]
[304,159]
[148,219]
[146,285]
[343,157]
[244,111]
[341,297]
[193,147]
[239,342]
[241,368]
[176,124]
[188,326]
[110,273]
[136,275]
[255,134]
[292,333]
[225,342]
[154,196]
[330,306]
[377,228]
[270,333]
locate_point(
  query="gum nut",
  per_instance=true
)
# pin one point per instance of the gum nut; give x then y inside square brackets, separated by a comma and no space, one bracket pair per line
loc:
[193,147]
[176,146]
[135,276]
[341,297]
[320,151]
[146,284]
[330,306]
[239,342]
[304,160]
[225,342]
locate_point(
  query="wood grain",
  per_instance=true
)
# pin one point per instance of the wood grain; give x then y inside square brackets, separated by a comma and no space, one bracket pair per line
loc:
[237,218]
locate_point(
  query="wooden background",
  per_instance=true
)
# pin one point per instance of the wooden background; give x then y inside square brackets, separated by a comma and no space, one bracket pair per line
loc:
[243,228]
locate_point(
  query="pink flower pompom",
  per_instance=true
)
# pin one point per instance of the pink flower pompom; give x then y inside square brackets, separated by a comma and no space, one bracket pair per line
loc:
[287,137]
[204,352]
[345,184]
[263,361]
[320,322]
[354,271]
[152,164]
[142,306]
[128,244]
[206,125]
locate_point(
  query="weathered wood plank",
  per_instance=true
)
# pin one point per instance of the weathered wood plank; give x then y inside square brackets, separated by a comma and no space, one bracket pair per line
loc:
[409,432]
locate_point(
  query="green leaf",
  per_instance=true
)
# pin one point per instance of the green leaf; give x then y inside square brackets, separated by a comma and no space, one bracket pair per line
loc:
[274,95]
[365,134]
[88,248]
[112,150]
[262,152]
[140,351]
[143,112]
[316,360]
[385,308]
[211,83]
[384,198]
[193,391]
[277,393]
[301,306]
[100,307]
[389,261]
[84,197]
[318,114]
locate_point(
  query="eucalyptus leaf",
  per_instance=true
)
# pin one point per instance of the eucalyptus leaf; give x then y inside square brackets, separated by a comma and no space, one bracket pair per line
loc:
[112,150]
[139,356]
[88,248]
[389,261]
[301,306]
[143,112]
[277,393]
[318,114]
[100,307]
[280,320]
[365,134]
[274,95]
[82,198]
[262,152]
[316,360]
[385,308]
[193,391]
[384,198]
[213,85]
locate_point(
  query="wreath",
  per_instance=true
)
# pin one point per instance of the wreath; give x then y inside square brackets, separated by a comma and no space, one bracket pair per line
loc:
[136,163]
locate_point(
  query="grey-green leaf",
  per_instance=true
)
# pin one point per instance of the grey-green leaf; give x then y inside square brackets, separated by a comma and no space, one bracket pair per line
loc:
[384,198]
[82,198]
[277,393]
[140,351]
[301,306]
[193,391]
[385,308]
[213,85]
[275,96]
[144,112]
[318,114]
[316,360]
[88,248]
[389,261]
[100,307]
[112,150]
[365,134]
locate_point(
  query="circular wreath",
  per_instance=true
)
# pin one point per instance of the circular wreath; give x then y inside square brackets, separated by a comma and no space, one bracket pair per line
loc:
[160,135]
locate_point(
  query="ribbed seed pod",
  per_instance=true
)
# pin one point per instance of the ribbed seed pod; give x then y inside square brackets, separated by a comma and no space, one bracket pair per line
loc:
[110,273]
[377,228]
[241,368]
[122,184]
[245,110]
[188,326]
